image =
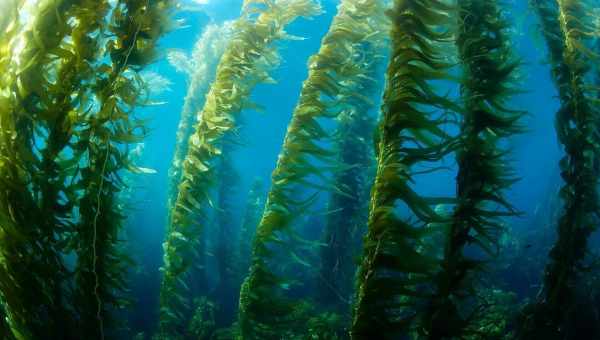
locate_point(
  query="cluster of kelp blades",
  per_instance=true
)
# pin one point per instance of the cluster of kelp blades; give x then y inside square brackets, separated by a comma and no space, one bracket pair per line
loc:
[70,81]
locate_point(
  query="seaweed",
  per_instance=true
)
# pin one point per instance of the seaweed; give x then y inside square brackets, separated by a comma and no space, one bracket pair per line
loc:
[569,29]
[42,71]
[54,79]
[227,291]
[305,167]
[347,215]
[394,281]
[484,174]
[201,72]
[5,331]
[203,322]
[246,62]
[255,204]
[103,143]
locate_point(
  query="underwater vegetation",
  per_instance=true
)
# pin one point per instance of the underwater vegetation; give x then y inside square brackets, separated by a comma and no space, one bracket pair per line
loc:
[570,31]
[69,86]
[201,71]
[245,63]
[356,234]
[307,161]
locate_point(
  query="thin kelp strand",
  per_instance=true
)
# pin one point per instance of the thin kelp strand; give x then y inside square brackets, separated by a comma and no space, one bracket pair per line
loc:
[563,25]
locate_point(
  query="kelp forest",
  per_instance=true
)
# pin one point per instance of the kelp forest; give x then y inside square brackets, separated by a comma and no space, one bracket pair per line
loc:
[299,169]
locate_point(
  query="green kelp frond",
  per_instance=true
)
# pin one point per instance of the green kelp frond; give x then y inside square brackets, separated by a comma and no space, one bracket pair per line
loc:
[346,221]
[66,96]
[227,289]
[9,10]
[247,60]
[570,29]
[44,63]
[200,69]
[307,164]
[394,280]
[111,128]
[484,173]
[202,324]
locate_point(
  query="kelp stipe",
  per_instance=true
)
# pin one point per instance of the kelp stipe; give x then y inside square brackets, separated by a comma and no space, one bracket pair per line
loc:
[43,64]
[347,215]
[306,164]
[227,291]
[569,29]
[395,279]
[52,84]
[247,60]
[255,204]
[484,174]
[135,28]
[200,68]
[5,331]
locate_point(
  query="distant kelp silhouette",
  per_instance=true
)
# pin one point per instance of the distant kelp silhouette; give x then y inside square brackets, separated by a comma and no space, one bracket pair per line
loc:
[347,215]
[569,28]
[484,172]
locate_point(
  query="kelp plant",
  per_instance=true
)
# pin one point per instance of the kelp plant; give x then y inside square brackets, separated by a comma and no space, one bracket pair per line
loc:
[255,204]
[200,68]
[246,62]
[395,278]
[305,167]
[44,64]
[484,173]
[569,29]
[347,216]
[134,30]
[227,289]
[68,89]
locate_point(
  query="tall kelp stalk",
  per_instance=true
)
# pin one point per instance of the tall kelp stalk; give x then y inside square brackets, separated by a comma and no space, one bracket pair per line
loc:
[200,67]
[348,214]
[568,28]
[44,64]
[5,332]
[51,95]
[395,280]
[255,204]
[247,60]
[226,293]
[307,162]
[483,171]
[110,128]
